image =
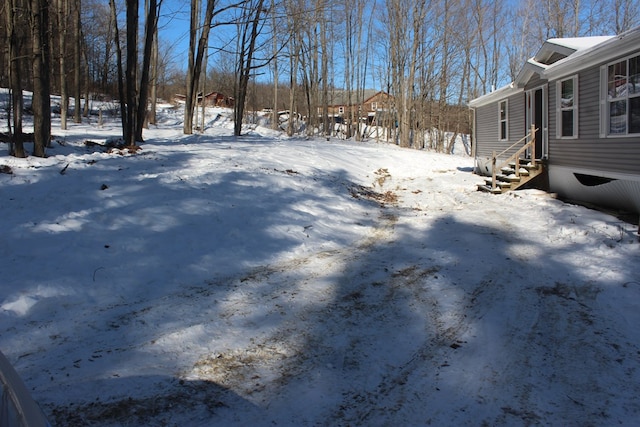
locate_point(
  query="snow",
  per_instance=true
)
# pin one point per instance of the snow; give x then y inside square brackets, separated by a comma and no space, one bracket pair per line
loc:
[266,280]
[580,43]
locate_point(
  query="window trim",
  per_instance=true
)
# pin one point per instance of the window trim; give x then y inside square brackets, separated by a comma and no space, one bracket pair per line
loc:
[605,100]
[574,108]
[504,137]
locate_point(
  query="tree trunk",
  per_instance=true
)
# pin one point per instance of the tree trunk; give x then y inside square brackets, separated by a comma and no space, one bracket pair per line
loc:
[63,13]
[203,90]
[131,72]
[275,120]
[154,78]
[77,61]
[245,63]
[195,64]
[150,30]
[324,65]
[292,92]
[187,127]
[121,90]
[17,148]
[41,88]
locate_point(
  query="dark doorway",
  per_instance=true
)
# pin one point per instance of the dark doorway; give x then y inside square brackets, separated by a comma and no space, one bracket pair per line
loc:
[537,120]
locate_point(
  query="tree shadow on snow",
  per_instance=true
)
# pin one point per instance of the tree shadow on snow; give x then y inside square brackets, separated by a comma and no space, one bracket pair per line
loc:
[158,401]
[443,322]
[459,323]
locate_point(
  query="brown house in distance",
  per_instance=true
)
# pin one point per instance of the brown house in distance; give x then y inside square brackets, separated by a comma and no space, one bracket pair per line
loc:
[374,102]
[212,99]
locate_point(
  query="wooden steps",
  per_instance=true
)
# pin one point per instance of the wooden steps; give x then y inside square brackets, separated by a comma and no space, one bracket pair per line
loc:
[518,168]
[507,179]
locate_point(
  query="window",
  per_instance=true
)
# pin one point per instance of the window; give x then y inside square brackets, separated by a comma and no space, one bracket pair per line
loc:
[504,121]
[567,108]
[623,97]
[340,110]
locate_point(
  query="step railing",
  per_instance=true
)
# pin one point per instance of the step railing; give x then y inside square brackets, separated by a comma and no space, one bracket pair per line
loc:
[515,157]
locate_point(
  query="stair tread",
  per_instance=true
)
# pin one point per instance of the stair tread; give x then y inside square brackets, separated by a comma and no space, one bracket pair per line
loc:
[508,180]
[487,188]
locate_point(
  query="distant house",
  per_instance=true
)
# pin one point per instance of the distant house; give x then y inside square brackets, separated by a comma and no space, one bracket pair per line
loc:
[218,99]
[581,97]
[374,102]
[212,99]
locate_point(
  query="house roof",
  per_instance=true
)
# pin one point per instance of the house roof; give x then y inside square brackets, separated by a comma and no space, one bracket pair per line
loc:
[578,43]
[503,92]
[610,48]
[341,97]
[553,51]
[576,53]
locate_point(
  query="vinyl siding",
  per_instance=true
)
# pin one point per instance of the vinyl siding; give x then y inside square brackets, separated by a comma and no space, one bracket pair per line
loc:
[535,82]
[589,151]
[487,126]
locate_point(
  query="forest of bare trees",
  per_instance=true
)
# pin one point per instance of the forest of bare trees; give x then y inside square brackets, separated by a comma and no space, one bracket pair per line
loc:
[432,56]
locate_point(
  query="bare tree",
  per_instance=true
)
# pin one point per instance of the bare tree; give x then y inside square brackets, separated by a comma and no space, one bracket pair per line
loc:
[77,59]
[153,90]
[120,69]
[627,14]
[294,23]
[63,14]
[196,57]
[151,25]
[41,103]
[324,13]
[405,43]
[15,44]
[131,73]
[250,28]
[275,117]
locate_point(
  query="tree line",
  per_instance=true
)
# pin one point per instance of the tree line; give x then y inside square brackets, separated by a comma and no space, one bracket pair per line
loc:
[431,56]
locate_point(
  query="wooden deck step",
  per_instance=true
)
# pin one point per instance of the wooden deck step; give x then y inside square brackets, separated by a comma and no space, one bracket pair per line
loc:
[508,178]
[487,188]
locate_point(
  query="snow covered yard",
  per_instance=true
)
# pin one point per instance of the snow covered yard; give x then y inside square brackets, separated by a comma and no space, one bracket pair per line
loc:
[262,280]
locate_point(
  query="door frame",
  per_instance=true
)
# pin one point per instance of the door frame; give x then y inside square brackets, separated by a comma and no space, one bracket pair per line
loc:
[537,113]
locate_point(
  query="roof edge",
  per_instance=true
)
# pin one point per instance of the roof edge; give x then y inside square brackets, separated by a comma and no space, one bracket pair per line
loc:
[611,48]
[529,68]
[503,92]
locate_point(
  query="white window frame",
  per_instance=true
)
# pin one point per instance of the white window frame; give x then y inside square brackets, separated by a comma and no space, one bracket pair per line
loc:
[340,110]
[504,137]
[606,100]
[560,108]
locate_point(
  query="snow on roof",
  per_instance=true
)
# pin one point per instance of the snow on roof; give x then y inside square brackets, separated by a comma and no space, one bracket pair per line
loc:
[579,43]
[597,53]
[501,93]
[581,52]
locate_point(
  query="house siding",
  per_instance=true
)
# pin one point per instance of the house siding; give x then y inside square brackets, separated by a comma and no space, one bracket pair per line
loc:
[617,155]
[535,82]
[589,167]
[487,140]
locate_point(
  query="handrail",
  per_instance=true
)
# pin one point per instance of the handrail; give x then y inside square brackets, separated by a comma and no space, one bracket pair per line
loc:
[511,146]
[515,156]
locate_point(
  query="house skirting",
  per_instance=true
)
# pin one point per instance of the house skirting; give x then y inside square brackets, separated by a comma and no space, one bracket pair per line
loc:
[616,191]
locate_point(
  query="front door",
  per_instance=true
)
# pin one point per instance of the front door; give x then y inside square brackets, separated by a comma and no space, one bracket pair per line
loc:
[536,111]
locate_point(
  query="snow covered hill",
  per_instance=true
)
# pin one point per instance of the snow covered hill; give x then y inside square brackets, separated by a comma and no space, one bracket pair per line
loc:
[264,280]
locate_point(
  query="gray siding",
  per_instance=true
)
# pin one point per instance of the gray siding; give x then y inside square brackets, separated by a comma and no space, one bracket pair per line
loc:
[589,151]
[535,82]
[487,126]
